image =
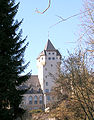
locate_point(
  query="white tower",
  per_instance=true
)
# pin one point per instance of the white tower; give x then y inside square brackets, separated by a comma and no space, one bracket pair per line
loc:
[47,63]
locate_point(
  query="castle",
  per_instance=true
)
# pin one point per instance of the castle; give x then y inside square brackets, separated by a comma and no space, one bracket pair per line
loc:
[38,96]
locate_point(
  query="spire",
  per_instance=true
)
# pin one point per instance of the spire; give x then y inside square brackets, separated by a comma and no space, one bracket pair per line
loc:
[49,46]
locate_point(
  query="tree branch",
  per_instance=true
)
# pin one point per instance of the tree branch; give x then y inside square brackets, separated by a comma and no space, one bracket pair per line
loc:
[45,9]
[62,19]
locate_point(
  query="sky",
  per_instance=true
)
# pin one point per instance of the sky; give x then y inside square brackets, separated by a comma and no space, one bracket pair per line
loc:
[37,27]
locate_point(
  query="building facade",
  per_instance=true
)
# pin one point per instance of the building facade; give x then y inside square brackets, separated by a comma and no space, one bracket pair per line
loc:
[48,61]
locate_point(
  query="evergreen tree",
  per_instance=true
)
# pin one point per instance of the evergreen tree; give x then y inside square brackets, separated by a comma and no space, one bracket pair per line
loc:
[12,49]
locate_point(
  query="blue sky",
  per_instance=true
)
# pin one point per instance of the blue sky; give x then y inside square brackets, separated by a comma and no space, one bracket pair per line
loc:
[36,26]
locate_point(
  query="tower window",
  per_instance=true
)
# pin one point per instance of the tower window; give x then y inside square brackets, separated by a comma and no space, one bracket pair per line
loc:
[53,53]
[45,76]
[49,53]
[51,65]
[46,69]
[53,58]
[49,58]
[46,83]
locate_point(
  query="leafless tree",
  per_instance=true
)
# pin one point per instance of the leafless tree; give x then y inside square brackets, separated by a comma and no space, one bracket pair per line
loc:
[75,86]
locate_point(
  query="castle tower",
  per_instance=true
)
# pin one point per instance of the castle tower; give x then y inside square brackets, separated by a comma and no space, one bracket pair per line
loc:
[47,63]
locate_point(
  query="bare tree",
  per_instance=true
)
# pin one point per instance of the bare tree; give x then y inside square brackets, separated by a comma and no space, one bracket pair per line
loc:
[75,87]
[88,24]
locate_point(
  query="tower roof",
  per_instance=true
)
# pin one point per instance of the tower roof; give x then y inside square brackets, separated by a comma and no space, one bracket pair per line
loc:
[49,46]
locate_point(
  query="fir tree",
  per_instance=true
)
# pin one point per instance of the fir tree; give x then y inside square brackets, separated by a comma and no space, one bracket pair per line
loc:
[12,48]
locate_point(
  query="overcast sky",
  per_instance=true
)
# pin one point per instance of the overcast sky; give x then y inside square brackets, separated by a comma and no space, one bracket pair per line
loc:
[36,26]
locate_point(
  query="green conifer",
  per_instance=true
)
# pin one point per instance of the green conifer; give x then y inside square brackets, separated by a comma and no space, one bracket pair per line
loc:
[12,48]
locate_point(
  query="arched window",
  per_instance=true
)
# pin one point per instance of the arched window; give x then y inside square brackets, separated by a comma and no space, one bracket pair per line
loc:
[30,99]
[40,99]
[35,100]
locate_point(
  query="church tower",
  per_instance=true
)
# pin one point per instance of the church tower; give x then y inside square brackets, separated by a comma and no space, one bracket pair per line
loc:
[47,63]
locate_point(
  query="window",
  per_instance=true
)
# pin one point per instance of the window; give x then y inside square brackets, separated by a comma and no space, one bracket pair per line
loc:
[46,83]
[53,53]
[40,99]
[32,90]
[49,53]
[47,90]
[46,69]
[51,65]
[45,76]
[35,100]
[35,108]
[39,90]
[30,99]
[53,58]
[48,98]
[24,100]
[49,58]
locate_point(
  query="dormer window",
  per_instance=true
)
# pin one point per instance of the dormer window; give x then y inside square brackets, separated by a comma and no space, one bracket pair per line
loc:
[32,90]
[39,90]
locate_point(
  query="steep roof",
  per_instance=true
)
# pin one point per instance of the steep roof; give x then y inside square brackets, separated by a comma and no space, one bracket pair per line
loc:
[49,46]
[33,81]
[33,85]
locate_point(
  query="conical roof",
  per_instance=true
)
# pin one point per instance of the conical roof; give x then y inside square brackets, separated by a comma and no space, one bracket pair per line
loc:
[49,46]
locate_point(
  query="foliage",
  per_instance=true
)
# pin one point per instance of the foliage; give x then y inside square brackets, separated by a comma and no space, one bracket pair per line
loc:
[12,49]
